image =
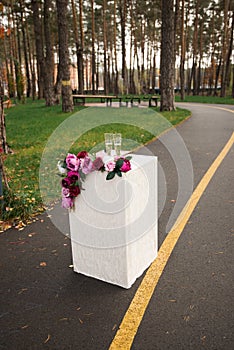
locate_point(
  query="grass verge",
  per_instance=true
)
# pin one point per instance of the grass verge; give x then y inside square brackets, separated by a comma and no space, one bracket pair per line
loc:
[206,99]
[28,128]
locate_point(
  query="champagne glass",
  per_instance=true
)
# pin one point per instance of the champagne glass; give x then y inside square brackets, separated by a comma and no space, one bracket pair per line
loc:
[108,143]
[117,143]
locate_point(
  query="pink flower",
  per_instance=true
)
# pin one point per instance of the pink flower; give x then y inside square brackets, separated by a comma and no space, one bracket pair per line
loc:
[65,192]
[126,166]
[110,166]
[72,162]
[67,202]
[86,165]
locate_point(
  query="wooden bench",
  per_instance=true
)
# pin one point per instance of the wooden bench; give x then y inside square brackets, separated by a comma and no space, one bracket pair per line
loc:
[130,99]
[80,99]
[153,98]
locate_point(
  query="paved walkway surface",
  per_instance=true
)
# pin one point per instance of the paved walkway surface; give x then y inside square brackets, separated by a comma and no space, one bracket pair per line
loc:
[45,305]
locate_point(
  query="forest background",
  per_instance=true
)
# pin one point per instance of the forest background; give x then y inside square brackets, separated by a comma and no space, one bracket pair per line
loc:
[114,47]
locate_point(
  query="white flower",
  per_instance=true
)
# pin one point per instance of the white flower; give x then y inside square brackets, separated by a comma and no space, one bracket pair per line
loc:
[61,169]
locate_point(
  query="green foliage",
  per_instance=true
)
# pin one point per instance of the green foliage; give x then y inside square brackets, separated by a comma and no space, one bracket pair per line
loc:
[207,99]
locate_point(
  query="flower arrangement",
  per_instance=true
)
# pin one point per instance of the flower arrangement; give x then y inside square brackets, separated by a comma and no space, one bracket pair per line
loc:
[74,169]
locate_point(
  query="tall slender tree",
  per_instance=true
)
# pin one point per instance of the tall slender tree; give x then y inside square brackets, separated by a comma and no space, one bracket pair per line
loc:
[39,41]
[167,62]
[64,63]
[49,91]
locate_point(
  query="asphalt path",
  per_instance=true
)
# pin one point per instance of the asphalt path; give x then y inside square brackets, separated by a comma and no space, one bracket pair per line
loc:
[45,305]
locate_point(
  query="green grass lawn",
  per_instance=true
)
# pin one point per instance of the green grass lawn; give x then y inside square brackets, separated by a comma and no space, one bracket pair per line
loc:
[206,99]
[30,126]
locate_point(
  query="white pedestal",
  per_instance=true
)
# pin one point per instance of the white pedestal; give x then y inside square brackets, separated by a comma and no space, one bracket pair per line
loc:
[114,231]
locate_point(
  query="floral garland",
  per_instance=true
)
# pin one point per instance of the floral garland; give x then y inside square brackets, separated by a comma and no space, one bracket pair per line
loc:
[75,168]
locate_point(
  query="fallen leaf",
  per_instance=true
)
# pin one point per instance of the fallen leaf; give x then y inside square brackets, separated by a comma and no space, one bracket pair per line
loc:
[114,327]
[17,242]
[43,263]
[81,321]
[47,339]
[31,234]
[22,290]
[24,327]
[172,300]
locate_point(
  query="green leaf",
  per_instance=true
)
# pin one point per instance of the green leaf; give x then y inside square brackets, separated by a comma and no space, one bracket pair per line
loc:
[128,158]
[119,163]
[110,175]
[118,172]
[82,176]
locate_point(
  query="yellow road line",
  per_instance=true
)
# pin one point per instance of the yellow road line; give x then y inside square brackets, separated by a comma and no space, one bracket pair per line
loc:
[133,317]
[222,108]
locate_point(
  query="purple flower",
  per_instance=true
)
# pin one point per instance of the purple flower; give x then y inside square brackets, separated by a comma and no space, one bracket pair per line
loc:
[72,162]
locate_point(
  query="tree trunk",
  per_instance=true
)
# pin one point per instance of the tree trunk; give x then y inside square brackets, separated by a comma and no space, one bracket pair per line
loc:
[93,48]
[31,63]
[167,64]
[228,60]
[17,55]
[23,24]
[123,16]
[80,50]
[105,47]
[116,87]
[218,69]
[39,47]
[67,103]
[195,49]
[199,71]
[49,57]
[224,49]
[182,57]
[4,148]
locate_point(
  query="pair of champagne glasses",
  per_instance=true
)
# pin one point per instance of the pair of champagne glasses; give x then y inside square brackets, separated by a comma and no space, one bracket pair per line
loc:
[113,139]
